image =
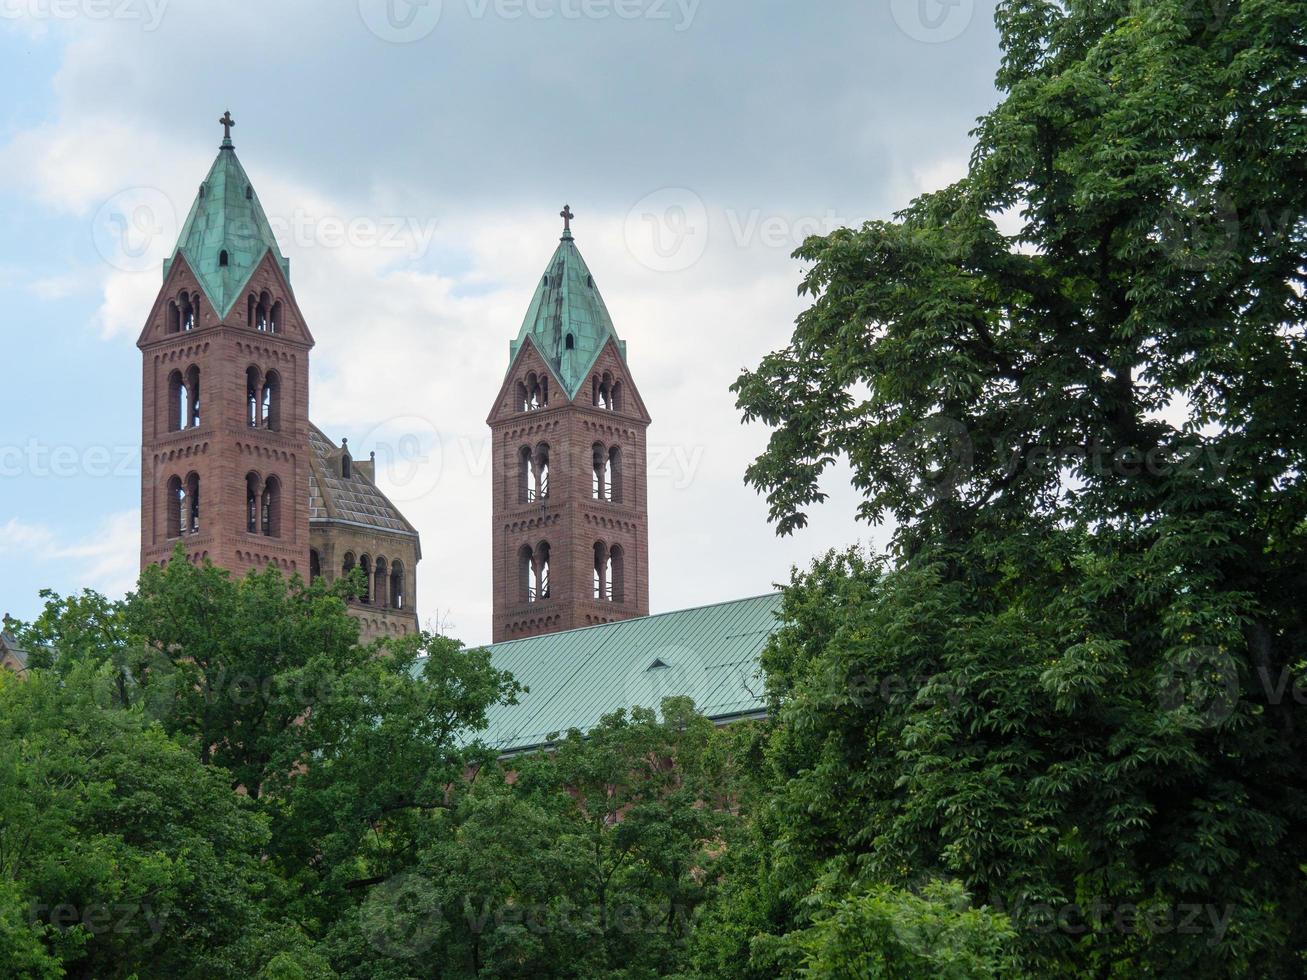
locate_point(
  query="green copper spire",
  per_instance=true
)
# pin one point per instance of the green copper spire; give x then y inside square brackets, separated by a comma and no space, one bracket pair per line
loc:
[567,320]
[226,233]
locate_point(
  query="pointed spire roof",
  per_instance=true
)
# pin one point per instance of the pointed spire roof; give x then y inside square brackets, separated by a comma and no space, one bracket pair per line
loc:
[567,304]
[226,218]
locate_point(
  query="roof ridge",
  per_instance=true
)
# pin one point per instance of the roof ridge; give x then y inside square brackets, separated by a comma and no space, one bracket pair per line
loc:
[636,619]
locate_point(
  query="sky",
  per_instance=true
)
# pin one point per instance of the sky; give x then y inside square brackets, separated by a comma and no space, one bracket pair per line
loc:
[413,156]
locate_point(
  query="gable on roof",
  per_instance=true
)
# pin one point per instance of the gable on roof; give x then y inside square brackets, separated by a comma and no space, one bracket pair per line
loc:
[353,499]
[226,234]
[567,320]
[710,654]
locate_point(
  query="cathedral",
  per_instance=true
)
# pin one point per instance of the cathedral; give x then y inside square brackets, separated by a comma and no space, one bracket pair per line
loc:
[234,471]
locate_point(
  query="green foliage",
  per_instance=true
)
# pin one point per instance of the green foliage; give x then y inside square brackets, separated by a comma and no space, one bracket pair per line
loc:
[899,935]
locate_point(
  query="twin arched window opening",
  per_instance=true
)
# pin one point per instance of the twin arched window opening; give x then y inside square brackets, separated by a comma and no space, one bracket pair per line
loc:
[184,399]
[263,313]
[533,473]
[263,399]
[183,312]
[533,393]
[606,479]
[609,572]
[263,505]
[533,572]
[606,392]
[384,583]
[183,506]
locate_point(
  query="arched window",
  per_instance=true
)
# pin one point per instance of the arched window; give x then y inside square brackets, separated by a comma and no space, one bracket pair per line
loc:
[365,563]
[540,585]
[616,574]
[179,409]
[253,490]
[174,317]
[271,407]
[533,392]
[526,573]
[602,583]
[569,342]
[315,565]
[346,464]
[533,572]
[271,509]
[251,305]
[380,579]
[522,402]
[348,565]
[223,259]
[176,506]
[193,396]
[526,476]
[616,398]
[253,398]
[397,597]
[542,470]
[263,312]
[599,463]
[191,522]
[274,318]
[615,475]
[189,310]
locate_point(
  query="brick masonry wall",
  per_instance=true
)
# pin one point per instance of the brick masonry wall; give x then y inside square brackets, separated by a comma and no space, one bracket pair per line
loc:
[570,520]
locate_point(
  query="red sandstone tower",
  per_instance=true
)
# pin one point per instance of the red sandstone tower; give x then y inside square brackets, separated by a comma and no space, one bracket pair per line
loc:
[225,457]
[571,509]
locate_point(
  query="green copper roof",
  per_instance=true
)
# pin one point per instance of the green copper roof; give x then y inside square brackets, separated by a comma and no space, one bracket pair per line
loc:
[567,303]
[710,654]
[226,217]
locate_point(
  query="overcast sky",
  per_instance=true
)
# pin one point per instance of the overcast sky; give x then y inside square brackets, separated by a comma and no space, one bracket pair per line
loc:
[413,158]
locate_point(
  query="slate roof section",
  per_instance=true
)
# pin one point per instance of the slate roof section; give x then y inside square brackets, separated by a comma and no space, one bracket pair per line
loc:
[353,500]
[226,217]
[567,302]
[11,654]
[710,654]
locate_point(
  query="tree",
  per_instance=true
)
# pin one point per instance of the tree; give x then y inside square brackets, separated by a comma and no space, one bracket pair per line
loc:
[120,854]
[1076,690]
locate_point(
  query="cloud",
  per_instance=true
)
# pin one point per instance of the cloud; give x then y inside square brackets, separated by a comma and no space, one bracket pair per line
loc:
[107,560]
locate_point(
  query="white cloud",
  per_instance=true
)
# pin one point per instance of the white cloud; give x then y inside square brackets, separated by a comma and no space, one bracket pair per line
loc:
[107,561]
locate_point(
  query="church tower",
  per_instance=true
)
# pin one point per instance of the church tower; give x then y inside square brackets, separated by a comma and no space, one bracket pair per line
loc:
[225,435]
[571,511]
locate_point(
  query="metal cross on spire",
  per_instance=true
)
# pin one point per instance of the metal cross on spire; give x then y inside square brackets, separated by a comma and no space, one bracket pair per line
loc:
[567,216]
[227,122]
